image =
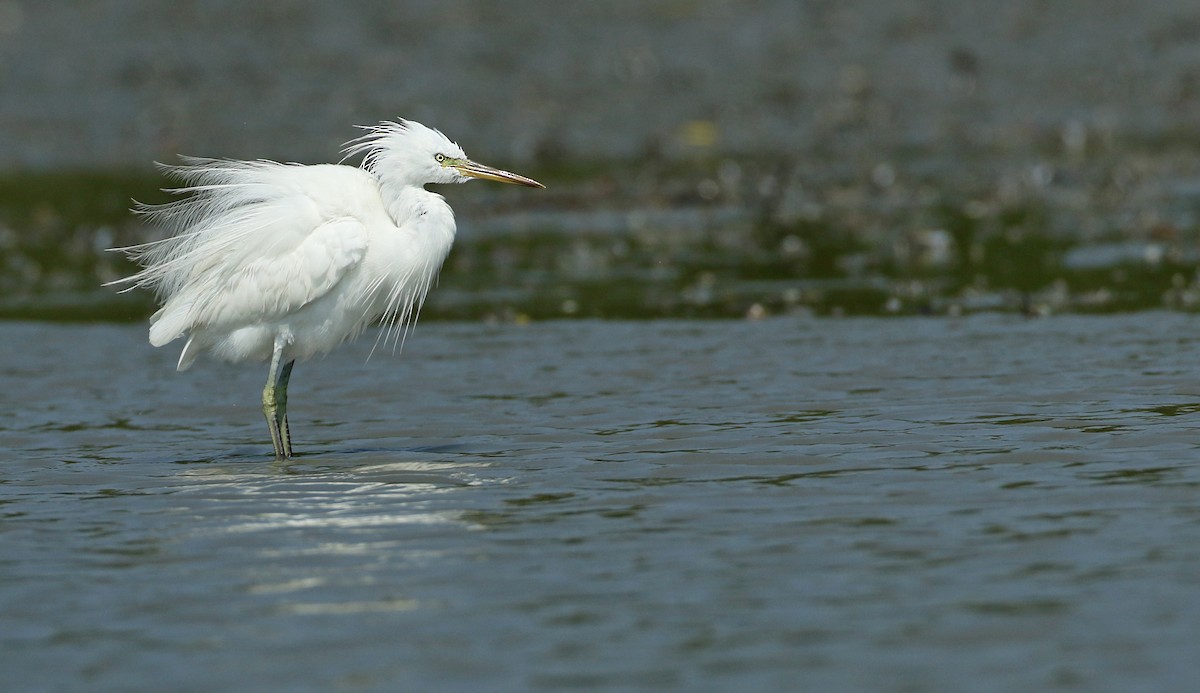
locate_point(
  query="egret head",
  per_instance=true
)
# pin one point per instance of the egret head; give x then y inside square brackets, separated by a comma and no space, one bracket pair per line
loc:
[408,153]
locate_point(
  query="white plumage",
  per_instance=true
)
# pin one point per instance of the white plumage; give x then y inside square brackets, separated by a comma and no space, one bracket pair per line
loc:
[275,261]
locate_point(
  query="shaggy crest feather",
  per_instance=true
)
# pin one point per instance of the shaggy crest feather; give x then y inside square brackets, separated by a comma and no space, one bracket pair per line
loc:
[399,150]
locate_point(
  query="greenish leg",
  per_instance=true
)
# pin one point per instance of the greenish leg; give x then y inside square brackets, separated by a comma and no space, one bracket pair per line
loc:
[274,402]
[285,434]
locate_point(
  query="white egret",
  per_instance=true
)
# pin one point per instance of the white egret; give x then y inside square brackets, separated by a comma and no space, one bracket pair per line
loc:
[281,262]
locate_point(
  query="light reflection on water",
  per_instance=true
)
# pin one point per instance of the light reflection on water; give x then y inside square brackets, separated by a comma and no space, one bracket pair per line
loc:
[984,504]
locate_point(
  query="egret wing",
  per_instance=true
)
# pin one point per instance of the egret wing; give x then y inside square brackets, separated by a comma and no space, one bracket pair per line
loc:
[267,289]
[264,288]
[251,242]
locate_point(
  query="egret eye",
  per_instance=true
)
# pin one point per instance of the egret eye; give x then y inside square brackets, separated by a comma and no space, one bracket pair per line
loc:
[440,158]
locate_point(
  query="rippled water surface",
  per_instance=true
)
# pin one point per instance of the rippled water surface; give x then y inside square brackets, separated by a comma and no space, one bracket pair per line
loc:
[981,504]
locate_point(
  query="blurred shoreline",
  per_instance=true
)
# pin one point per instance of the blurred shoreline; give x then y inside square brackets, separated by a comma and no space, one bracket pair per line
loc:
[112,85]
[726,238]
[704,159]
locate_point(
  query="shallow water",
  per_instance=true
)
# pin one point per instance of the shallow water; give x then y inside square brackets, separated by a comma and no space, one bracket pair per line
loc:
[988,504]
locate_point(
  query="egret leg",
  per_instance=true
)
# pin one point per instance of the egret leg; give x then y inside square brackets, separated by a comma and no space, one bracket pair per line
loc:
[285,433]
[274,402]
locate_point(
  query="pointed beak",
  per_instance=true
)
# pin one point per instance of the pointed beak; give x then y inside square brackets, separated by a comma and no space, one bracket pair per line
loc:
[474,170]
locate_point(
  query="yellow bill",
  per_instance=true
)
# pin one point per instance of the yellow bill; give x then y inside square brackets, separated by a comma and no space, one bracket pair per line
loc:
[474,170]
